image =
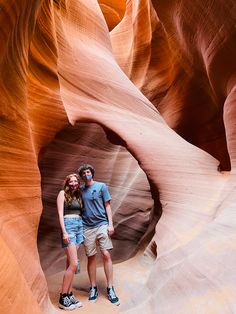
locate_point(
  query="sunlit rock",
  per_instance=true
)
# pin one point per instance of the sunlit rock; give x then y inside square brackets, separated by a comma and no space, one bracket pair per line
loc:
[161,84]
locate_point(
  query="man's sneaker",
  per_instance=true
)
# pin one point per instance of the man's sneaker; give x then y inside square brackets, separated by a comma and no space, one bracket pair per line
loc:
[93,294]
[74,301]
[65,302]
[112,296]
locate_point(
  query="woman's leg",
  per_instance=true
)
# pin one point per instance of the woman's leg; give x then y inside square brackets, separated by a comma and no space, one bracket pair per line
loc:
[71,252]
[67,265]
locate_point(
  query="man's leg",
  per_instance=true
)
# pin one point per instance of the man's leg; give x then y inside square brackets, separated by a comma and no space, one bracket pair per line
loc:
[91,267]
[90,248]
[106,245]
[108,269]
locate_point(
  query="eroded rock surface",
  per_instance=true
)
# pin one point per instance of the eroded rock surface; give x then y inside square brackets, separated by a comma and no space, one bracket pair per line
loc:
[162,85]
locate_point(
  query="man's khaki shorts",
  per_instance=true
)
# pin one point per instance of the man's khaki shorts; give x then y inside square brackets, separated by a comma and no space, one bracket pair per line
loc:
[94,236]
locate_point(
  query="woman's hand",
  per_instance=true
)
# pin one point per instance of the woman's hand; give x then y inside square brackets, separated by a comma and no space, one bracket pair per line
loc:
[110,230]
[66,238]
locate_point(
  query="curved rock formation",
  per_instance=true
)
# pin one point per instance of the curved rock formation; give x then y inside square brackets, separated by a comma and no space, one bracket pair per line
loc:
[162,52]
[59,65]
[113,11]
[87,143]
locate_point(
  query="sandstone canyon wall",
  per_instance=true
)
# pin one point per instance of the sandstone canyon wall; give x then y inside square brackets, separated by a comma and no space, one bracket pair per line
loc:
[146,92]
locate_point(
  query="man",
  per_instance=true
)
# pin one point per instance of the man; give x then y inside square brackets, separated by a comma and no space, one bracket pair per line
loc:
[98,227]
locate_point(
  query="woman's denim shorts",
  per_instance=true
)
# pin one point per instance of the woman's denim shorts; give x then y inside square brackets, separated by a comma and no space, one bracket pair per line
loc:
[74,228]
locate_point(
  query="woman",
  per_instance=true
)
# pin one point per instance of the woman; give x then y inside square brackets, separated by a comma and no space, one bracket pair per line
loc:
[69,206]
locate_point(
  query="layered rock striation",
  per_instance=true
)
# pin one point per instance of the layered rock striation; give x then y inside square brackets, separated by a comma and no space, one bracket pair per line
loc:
[161,85]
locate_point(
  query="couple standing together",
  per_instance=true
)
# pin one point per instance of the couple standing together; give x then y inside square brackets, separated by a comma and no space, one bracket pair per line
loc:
[85,217]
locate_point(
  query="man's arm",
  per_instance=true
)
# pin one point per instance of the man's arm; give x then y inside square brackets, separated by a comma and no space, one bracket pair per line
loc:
[109,216]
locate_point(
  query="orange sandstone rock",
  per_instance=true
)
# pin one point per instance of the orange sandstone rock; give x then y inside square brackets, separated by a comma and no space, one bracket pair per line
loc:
[59,65]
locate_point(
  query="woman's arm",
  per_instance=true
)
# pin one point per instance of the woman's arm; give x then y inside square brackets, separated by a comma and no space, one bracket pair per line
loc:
[60,209]
[109,216]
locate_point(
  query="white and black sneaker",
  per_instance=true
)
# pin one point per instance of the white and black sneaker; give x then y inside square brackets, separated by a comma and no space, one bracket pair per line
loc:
[112,297]
[93,294]
[74,301]
[65,302]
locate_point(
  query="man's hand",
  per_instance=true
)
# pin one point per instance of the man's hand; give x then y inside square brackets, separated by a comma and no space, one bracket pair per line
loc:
[110,230]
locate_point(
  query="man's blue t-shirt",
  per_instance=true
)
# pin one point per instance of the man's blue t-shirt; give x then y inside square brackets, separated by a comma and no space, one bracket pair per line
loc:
[94,197]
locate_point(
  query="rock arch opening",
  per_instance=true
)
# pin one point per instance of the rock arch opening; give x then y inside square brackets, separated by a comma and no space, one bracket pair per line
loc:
[136,207]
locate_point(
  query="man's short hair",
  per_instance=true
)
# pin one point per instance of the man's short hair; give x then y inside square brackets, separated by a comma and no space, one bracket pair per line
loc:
[85,167]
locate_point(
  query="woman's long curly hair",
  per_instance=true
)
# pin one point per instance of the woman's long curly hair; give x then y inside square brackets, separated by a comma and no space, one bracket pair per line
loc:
[67,191]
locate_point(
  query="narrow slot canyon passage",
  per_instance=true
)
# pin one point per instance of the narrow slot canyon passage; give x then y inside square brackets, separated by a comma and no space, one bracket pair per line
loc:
[134,212]
[158,78]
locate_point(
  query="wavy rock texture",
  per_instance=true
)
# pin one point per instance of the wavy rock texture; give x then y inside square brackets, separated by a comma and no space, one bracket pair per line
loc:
[113,11]
[162,52]
[59,66]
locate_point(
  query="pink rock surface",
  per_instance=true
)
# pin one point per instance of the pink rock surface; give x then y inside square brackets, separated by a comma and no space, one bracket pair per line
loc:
[162,85]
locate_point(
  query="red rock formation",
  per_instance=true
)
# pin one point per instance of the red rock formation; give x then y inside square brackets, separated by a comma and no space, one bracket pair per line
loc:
[113,11]
[162,53]
[58,67]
